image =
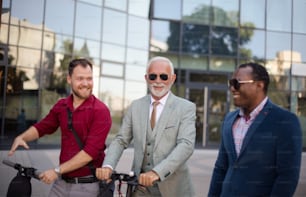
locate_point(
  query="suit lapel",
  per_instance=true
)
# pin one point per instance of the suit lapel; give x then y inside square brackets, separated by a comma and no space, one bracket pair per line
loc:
[164,118]
[229,134]
[144,119]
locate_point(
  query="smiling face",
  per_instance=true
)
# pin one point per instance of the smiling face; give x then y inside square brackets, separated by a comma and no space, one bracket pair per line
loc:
[81,82]
[249,95]
[159,87]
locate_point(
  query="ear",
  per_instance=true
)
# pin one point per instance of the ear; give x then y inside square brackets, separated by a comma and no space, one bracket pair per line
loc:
[173,77]
[68,79]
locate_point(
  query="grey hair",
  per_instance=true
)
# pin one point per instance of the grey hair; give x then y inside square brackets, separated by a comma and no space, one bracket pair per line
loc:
[160,58]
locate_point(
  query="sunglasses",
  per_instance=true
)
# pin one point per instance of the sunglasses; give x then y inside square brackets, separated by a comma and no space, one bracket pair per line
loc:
[163,77]
[236,83]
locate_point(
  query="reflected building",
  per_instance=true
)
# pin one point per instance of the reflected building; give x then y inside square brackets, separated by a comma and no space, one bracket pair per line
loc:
[205,39]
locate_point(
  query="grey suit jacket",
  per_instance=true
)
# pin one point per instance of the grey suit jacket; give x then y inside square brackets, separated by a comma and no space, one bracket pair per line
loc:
[175,139]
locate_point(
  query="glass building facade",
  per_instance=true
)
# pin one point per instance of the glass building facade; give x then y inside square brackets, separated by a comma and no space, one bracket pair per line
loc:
[205,39]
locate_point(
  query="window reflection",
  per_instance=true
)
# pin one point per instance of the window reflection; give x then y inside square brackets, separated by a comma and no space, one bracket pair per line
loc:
[195,39]
[118,4]
[165,36]
[137,57]
[135,72]
[252,44]
[168,9]
[59,18]
[24,36]
[299,15]
[112,69]
[85,26]
[252,13]
[134,90]
[4,34]
[194,62]
[225,12]
[224,41]
[57,42]
[138,32]
[197,11]
[279,15]
[139,8]
[222,64]
[113,52]
[25,57]
[86,48]
[28,13]
[114,27]
[298,47]
[276,43]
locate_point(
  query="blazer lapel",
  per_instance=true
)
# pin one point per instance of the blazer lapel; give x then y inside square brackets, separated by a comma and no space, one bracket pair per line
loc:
[164,118]
[229,134]
[144,119]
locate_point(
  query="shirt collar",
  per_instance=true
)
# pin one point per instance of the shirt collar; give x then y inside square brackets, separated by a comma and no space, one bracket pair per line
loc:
[256,111]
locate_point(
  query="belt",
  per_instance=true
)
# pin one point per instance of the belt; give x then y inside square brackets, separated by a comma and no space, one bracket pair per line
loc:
[76,180]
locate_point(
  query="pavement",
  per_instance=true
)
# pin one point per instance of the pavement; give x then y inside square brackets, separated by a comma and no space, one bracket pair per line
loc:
[201,165]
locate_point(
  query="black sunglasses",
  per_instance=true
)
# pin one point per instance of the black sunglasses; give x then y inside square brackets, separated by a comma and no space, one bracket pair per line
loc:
[163,77]
[236,83]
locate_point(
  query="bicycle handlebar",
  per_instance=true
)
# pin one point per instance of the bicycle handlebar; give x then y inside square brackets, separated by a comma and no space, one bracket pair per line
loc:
[24,171]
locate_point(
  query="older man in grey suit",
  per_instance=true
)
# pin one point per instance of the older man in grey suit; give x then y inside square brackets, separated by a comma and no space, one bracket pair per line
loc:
[164,137]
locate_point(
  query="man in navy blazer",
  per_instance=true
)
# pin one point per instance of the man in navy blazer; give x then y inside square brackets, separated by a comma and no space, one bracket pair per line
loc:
[260,152]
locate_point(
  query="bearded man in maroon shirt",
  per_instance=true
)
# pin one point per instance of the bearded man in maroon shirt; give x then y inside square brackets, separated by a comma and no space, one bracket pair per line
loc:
[90,119]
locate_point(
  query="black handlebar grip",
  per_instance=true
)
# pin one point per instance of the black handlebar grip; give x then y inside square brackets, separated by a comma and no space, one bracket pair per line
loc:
[9,163]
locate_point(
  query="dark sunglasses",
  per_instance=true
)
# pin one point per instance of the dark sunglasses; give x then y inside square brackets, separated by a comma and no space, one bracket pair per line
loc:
[236,83]
[163,77]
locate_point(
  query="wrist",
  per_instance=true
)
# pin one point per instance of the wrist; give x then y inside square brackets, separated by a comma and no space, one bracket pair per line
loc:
[57,170]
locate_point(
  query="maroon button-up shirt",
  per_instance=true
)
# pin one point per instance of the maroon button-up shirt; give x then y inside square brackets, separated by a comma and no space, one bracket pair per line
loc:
[92,122]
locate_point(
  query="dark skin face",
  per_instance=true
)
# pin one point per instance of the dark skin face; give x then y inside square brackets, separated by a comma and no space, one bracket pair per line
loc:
[249,95]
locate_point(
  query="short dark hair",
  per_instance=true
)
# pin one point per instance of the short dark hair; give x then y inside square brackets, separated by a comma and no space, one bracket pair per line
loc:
[79,61]
[259,73]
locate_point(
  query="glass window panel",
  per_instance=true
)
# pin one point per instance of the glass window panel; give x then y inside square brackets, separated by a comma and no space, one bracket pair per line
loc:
[96,68]
[29,78]
[224,41]
[112,69]
[197,11]
[138,32]
[5,12]
[88,21]
[114,27]
[194,62]
[222,64]
[25,57]
[252,44]
[29,13]
[252,13]
[3,34]
[139,8]
[134,90]
[299,15]
[118,4]
[113,52]
[281,98]
[195,39]
[225,12]
[24,36]
[168,9]
[59,18]
[280,65]
[55,68]
[137,57]
[276,43]
[279,15]
[86,48]
[298,47]
[112,95]
[165,36]
[135,72]
[97,2]
[57,42]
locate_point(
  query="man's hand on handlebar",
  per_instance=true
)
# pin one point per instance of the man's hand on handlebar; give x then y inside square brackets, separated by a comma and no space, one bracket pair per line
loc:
[104,174]
[148,178]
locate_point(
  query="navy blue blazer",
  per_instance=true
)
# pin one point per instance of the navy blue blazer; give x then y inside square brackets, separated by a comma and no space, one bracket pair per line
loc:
[270,158]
